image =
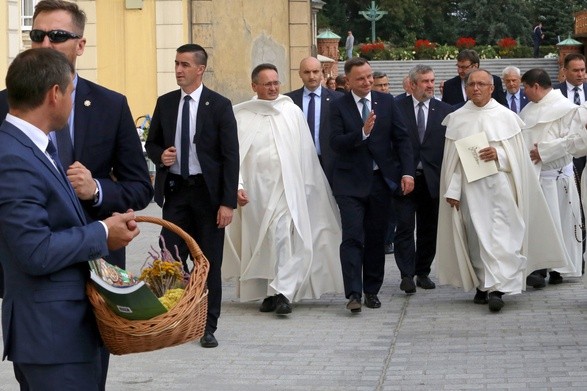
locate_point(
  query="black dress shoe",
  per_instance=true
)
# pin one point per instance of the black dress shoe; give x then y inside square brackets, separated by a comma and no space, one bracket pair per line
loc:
[407,285]
[480,297]
[354,303]
[208,340]
[269,304]
[425,282]
[535,280]
[555,278]
[372,301]
[495,301]
[283,305]
[389,248]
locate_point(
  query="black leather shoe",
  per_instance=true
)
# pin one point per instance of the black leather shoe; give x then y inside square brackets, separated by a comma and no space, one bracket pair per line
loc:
[480,297]
[283,305]
[495,301]
[535,280]
[208,340]
[389,248]
[555,278]
[407,285]
[354,303]
[425,282]
[269,304]
[372,301]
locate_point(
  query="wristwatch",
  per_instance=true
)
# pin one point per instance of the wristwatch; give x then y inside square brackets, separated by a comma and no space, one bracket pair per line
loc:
[96,194]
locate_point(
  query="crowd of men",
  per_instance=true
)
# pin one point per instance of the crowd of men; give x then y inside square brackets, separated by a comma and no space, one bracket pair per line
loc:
[292,195]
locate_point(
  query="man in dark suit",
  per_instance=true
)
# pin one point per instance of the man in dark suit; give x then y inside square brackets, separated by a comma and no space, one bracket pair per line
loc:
[423,115]
[102,156]
[575,89]
[48,327]
[515,97]
[454,89]
[312,93]
[105,161]
[374,161]
[193,141]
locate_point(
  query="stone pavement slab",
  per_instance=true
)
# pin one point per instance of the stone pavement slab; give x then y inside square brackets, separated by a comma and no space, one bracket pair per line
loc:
[432,340]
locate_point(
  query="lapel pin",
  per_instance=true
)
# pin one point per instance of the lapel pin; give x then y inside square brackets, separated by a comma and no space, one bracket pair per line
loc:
[207,103]
[327,99]
[87,103]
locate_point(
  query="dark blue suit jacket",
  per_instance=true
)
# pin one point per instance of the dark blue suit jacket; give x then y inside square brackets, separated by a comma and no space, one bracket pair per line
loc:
[216,144]
[431,149]
[388,145]
[106,142]
[523,100]
[45,245]
[453,92]
[563,87]
[326,99]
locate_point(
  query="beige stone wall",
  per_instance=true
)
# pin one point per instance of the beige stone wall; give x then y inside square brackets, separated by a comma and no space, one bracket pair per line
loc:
[10,35]
[241,35]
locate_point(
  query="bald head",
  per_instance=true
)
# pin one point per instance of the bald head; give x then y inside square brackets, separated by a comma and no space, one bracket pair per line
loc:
[311,73]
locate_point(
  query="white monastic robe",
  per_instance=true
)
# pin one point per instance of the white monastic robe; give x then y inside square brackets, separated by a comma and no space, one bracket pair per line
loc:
[491,243]
[548,123]
[286,239]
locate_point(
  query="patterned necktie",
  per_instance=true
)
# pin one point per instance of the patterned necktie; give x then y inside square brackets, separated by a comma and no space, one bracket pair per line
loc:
[577,98]
[514,106]
[312,114]
[421,122]
[184,165]
[64,146]
[365,111]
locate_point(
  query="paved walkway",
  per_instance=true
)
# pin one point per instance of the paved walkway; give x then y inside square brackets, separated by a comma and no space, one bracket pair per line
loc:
[433,340]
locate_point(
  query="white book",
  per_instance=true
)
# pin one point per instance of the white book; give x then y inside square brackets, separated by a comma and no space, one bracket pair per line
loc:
[468,149]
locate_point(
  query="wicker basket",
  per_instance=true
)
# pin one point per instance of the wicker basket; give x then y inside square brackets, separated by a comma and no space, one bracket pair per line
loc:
[184,322]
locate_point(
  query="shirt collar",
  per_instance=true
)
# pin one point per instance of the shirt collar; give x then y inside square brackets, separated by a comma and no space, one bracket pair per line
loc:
[317,91]
[571,87]
[37,136]
[358,98]
[415,102]
[196,94]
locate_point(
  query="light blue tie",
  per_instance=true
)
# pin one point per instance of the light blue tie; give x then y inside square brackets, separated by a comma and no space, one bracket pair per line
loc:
[366,110]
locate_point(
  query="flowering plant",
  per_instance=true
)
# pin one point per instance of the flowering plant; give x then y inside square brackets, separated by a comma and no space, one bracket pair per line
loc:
[424,49]
[366,48]
[164,273]
[506,46]
[465,43]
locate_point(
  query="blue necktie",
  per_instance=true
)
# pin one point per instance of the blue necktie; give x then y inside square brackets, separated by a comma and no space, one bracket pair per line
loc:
[185,138]
[52,151]
[421,122]
[514,106]
[365,111]
[312,114]
[577,98]
[64,147]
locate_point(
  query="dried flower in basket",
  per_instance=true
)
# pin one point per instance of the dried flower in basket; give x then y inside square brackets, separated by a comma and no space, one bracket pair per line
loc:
[164,272]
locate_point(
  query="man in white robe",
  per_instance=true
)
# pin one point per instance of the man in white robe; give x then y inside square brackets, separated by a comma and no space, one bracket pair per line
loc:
[491,228]
[548,121]
[283,245]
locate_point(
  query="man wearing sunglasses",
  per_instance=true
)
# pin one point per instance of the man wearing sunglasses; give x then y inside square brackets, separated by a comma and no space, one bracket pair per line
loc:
[102,156]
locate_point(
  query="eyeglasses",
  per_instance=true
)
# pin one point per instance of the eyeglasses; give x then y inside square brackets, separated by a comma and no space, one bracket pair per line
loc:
[381,85]
[478,84]
[55,36]
[464,67]
[271,84]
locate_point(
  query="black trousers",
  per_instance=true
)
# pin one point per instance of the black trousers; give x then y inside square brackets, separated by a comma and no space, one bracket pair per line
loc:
[364,224]
[188,205]
[417,212]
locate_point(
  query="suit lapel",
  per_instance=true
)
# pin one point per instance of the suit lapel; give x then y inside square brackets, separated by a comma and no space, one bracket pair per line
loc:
[66,189]
[203,111]
[84,109]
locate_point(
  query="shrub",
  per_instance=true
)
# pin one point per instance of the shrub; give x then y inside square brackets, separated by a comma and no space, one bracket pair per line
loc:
[371,50]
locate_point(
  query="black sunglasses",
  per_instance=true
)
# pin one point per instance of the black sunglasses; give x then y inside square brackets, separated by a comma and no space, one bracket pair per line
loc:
[55,36]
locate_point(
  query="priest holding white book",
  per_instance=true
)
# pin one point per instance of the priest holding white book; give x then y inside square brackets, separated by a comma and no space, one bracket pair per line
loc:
[492,227]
